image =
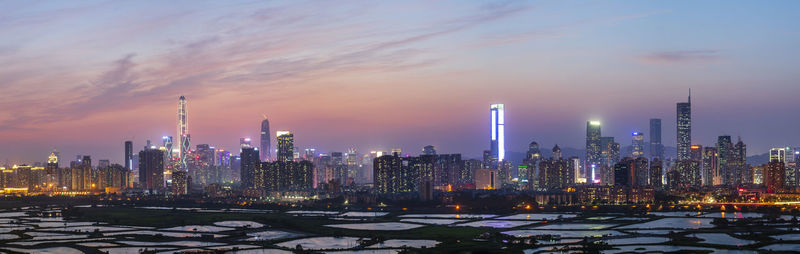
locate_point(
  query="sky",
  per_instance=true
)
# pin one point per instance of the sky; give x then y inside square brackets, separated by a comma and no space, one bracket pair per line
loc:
[82,77]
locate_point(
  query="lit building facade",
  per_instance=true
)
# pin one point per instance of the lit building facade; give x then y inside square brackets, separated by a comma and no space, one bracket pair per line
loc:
[183,133]
[265,140]
[637,144]
[684,127]
[593,147]
[285,145]
[498,132]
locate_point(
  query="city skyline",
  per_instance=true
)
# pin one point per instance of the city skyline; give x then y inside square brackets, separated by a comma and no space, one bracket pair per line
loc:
[332,111]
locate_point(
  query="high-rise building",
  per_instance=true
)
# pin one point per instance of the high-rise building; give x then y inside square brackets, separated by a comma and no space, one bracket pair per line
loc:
[498,135]
[684,124]
[725,151]
[656,147]
[696,153]
[610,151]
[391,175]
[531,161]
[245,143]
[777,154]
[656,173]
[486,179]
[637,144]
[710,166]
[265,141]
[774,176]
[183,133]
[593,147]
[249,165]
[167,143]
[690,175]
[555,173]
[429,150]
[556,154]
[180,183]
[285,145]
[741,171]
[129,155]
[151,168]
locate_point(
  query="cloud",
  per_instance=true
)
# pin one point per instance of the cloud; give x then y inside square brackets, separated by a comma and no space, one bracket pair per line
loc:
[682,56]
[251,55]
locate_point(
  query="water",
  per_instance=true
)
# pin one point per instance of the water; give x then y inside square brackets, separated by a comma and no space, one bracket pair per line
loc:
[406,244]
[364,214]
[54,250]
[450,216]
[496,223]
[388,226]
[198,228]
[131,250]
[236,224]
[724,239]
[164,233]
[270,235]
[173,243]
[563,233]
[637,240]
[538,216]
[322,243]
[782,247]
[433,221]
[677,223]
[562,226]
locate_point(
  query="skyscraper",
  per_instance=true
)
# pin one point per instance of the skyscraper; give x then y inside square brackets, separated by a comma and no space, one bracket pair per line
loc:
[429,150]
[710,167]
[183,133]
[245,143]
[725,150]
[285,145]
[265,146]
[249,167]
[498,137]
[637,143]
[129,155]
[151,168]
[685,128]
[593,147]
[167,143]
[656,147]
[741,171]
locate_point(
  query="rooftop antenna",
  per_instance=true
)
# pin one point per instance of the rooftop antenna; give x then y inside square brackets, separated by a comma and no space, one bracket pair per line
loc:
[690,95]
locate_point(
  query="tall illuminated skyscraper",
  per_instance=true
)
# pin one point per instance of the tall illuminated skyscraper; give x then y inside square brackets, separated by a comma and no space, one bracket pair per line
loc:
[498,138]
[593,148]
[285,146]
[637,143]
[725,151]
[183,132]
[684,110]
[167,143]
[129,155]
[656,147]
[265,145]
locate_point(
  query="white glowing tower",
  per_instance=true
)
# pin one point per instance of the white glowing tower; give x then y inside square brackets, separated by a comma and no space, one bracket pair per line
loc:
[183,135]
[498,141]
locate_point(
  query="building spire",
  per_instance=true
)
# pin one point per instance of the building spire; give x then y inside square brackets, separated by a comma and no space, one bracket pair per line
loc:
[690,95]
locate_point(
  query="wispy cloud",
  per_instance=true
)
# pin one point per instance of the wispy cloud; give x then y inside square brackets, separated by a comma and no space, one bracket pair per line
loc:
[273,47]
[681,56]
